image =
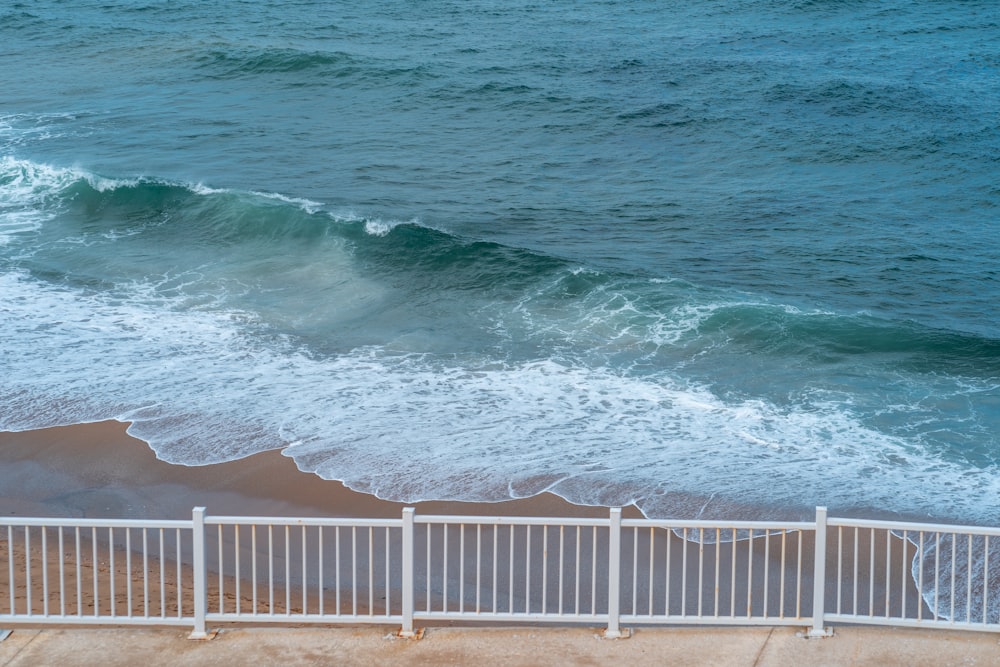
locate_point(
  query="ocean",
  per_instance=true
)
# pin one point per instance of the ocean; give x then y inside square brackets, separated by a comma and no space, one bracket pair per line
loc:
[705,257]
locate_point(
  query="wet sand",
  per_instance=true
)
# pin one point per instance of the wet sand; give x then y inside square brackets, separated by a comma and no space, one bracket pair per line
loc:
[99,471]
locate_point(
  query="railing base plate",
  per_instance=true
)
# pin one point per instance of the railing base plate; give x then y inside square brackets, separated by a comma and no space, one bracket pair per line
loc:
[203,636]
[418,633]
[623,633]
[812,633]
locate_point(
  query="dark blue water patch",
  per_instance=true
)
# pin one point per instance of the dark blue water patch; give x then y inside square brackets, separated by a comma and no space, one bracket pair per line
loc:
[23,21]
[272,61]
[293,67]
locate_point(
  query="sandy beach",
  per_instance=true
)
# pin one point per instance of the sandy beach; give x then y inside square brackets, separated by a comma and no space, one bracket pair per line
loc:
[98,471]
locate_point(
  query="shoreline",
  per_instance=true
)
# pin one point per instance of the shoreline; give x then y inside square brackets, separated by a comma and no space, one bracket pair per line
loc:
[97,470]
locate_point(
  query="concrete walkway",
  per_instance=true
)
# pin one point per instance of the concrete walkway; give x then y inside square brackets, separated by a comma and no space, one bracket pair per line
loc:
[749,647]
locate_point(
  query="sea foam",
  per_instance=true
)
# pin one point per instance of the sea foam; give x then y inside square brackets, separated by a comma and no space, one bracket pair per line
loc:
[407,427]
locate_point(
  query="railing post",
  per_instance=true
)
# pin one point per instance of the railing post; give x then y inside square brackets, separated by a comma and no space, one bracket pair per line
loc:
[200,575]
[614,575]
[819,578]
[406,630]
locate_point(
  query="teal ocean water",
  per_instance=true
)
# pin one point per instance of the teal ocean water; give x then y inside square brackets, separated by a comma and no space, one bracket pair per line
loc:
[701,256]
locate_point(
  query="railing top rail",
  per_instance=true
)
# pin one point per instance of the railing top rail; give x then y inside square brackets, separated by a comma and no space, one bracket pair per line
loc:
[301,521]
[712,525]
[92,523]
[509,520]
[914,527]
[56,522]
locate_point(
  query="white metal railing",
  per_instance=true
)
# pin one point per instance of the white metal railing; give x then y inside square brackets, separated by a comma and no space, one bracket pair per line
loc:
[97,571]
[609,571]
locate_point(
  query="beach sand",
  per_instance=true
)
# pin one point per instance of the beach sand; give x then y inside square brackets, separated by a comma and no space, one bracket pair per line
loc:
[98,471]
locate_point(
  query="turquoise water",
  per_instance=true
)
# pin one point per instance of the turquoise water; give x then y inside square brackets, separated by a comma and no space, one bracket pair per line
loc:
[700,256]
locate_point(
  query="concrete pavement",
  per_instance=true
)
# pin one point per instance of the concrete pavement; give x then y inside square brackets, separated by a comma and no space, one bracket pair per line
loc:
[520,646]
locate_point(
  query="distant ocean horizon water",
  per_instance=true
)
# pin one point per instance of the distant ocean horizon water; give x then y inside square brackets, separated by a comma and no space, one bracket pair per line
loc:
[700,257]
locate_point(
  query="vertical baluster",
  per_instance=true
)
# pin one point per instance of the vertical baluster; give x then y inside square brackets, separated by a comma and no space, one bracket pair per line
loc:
[871,572]
[968,582]
[798,579]
[371,570]
[305,570]
[253,566]
[62,573]
[840,563]
[388,557]
[902,575]
[237,574]
[718,545]
[781,588]
[479,563]
[701,568]
[750,575]
[128,571]
[576,606]
[767,563]
[545,567]
[111,570]
[920,577]
[888,568]
[288,570]
[428,606]
[94,563]
[336,566]
[29,594]
[732,578]
[527,569]
[444,569]
[180,582]
[635,569]
[666,568]
[510,579]
[562,565]
[78,556]
[593,570]
[354,570]
[319,567]
[684,572]
[954,559]
[270,569]
[145,572]
[986,575]
[495,565]
[856,582]
[45,571]
[461,568]
[937,574]
[222,586]
[11,587]
[652,568]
